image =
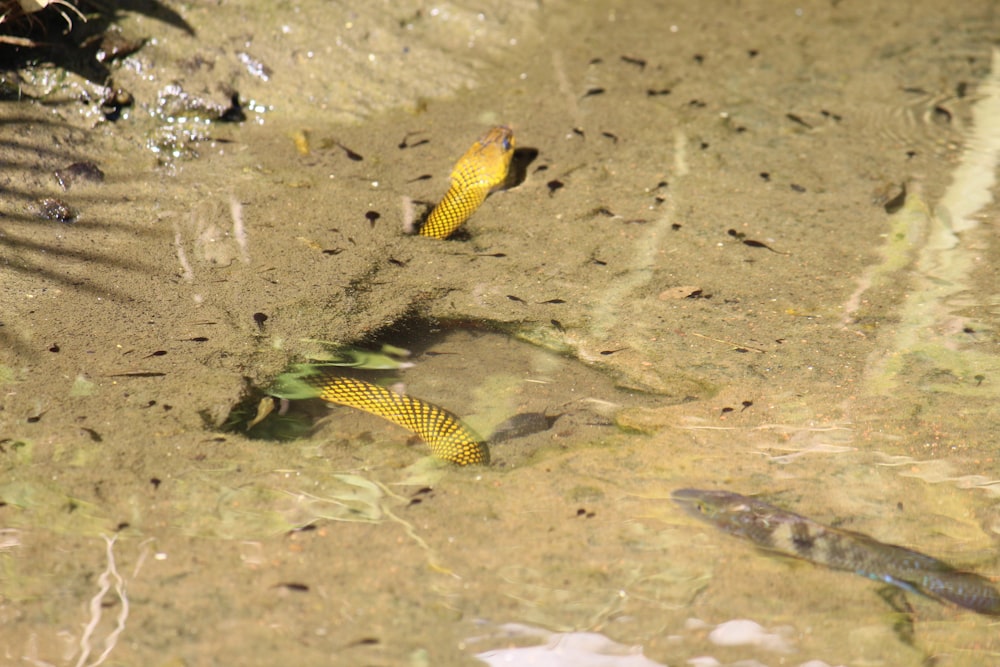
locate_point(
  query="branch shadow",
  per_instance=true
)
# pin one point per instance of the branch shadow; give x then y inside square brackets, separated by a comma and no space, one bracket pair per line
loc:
[58,35]
[37,252]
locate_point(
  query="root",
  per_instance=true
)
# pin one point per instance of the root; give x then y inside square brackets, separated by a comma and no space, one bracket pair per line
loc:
[109,575]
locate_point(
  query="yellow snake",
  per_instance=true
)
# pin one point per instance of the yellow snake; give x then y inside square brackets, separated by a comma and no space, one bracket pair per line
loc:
[481,170]
[440,429]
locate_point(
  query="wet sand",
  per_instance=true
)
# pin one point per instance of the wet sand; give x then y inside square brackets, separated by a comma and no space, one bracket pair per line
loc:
[709,265]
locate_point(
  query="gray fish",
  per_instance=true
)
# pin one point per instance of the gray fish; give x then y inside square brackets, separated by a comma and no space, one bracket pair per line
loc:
[783,532]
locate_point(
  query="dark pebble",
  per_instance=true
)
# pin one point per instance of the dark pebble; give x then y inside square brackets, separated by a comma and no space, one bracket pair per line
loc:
[79,171]
[56,209]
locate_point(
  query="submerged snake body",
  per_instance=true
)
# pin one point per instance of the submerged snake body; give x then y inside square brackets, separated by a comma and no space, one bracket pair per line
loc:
[441,430]
[783,532]
[481,170]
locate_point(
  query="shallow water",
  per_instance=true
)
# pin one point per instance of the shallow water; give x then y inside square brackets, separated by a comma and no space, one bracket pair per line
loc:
[843,364]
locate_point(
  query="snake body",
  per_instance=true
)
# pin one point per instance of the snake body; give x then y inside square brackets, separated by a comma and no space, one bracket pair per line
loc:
[481,170]
[441,430]
[784,532]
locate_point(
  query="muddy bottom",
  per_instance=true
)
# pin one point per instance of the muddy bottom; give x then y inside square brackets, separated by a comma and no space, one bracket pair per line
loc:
[749,247]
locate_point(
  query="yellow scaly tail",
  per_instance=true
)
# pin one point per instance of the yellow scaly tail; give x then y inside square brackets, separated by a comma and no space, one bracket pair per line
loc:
[441,430]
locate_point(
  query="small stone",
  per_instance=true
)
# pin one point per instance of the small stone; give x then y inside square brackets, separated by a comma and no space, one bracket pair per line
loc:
[56,209]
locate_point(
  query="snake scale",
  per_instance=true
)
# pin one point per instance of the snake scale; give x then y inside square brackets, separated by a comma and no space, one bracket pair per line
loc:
[481,170]
[441,430]
[784,532]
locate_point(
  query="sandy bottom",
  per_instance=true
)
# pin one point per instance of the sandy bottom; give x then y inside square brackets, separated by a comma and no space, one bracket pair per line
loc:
[751,246]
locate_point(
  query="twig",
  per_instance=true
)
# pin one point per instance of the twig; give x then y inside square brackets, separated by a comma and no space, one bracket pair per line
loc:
[104,581]
[736,346]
